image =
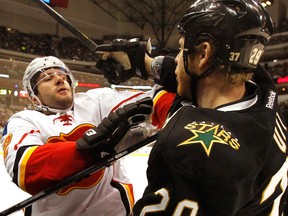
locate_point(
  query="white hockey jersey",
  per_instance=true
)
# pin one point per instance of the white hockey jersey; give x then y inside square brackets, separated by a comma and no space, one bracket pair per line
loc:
[29,138]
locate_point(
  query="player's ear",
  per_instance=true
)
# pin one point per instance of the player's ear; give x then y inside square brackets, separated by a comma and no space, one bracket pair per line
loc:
[204,54]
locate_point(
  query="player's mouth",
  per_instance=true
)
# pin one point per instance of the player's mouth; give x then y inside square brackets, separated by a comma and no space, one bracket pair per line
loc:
[62,90]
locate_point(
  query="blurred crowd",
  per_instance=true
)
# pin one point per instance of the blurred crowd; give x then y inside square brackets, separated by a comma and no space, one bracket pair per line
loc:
[5,112]
[72,49]
[7,107]
[44,44]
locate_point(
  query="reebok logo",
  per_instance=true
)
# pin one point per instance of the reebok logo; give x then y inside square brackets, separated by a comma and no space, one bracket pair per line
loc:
[271,100]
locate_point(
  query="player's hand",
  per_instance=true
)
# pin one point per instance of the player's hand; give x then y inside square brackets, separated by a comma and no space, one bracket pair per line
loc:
[104,139]
[130,54]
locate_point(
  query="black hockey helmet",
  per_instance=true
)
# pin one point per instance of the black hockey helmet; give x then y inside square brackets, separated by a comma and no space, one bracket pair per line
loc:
[240,29]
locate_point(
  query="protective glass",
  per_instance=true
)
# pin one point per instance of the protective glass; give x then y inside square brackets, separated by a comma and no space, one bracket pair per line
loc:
[48,76]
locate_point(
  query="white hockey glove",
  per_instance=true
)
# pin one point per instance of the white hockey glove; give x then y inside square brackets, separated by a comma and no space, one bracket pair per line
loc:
[130,54]
[104,140]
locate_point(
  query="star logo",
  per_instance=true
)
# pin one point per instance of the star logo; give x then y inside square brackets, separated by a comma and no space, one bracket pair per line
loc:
[207,138]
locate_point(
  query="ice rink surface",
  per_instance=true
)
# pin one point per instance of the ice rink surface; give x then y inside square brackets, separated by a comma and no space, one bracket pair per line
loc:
[136,164]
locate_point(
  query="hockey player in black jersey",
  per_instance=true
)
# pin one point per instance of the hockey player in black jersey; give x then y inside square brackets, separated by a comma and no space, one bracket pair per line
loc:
[222,151]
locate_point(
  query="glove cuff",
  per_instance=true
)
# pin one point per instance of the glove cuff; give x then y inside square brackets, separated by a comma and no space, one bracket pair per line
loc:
[163,68]
[137,60]
[156,67]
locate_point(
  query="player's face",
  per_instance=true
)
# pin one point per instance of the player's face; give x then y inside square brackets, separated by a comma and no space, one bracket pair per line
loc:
[54,90]
[183,78]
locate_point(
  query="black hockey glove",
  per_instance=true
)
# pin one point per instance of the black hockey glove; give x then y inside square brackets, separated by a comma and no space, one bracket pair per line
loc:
[104,139]
[163,68]
[131,56]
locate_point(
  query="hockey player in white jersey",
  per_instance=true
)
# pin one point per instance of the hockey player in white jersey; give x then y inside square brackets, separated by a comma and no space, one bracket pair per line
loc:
[40,145]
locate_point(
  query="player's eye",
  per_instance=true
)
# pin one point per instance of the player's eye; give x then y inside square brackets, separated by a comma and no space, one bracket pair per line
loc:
[56,74]
[62,75]
[47,78]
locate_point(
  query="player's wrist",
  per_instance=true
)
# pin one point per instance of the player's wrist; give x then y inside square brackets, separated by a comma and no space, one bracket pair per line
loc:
[156,66]
[148,65]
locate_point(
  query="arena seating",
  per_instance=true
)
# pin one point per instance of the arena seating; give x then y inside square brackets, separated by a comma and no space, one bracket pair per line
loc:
[72,49]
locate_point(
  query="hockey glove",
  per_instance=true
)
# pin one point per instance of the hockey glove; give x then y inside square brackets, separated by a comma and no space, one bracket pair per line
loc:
[104,139]
[163,69]
[131,56]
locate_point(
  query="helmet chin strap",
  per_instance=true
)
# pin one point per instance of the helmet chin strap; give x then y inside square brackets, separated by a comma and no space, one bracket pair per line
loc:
[40,107]
[194,78]
[49,109]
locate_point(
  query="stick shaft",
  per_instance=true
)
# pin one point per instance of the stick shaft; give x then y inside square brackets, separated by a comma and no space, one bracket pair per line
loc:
[59,18]
[78,176]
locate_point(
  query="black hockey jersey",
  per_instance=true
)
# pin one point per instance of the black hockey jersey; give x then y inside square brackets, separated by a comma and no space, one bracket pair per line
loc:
[220,162]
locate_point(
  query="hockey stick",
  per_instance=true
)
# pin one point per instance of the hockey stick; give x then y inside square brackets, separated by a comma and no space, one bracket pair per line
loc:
[82,37]
[118,45]
[78,176]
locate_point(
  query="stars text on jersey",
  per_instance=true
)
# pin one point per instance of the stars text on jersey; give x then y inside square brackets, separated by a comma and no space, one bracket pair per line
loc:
[207,134]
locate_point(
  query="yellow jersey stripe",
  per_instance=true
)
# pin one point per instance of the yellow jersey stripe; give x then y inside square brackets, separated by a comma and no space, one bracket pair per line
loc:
[22,166]
[158,96]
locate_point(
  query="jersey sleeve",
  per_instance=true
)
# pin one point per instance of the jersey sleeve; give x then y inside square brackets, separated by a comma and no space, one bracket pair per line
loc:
[46,165]
[162,102]
[34,165]
[165,90]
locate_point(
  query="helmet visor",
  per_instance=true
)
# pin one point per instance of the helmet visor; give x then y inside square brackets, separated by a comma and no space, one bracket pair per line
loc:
[47,74]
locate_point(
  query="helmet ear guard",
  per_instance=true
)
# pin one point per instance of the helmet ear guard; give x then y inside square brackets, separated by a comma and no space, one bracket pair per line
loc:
[240,30]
